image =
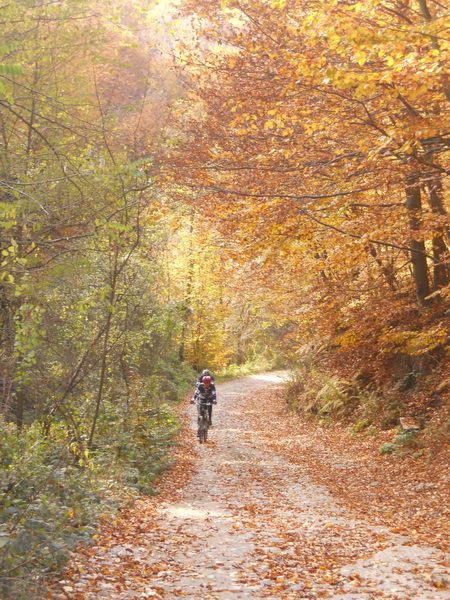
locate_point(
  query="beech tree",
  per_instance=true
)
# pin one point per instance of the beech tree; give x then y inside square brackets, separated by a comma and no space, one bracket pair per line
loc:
[320,135]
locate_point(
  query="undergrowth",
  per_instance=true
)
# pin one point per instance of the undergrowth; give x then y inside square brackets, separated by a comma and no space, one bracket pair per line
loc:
[359,402]
[403,441]
[52,495]
[257,364]
[316,393]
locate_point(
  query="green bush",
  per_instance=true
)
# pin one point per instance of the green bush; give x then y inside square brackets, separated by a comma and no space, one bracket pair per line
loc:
[48,503]
[360,425]
[142,449]
[387,448]
[407,439]
[51,494]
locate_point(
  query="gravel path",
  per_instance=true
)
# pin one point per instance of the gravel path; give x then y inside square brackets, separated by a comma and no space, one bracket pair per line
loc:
[251,524]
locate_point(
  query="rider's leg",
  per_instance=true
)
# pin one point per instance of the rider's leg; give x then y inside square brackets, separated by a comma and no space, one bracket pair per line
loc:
[210,414]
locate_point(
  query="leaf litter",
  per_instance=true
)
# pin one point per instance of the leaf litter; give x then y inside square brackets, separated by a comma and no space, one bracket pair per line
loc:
[262,511]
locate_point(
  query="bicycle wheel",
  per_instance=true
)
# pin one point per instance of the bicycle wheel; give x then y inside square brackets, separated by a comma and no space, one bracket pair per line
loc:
[201,426]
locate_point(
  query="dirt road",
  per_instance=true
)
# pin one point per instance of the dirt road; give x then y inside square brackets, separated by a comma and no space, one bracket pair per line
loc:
[251,524]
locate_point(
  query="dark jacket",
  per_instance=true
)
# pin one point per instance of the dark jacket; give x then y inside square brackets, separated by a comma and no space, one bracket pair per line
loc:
[205,394]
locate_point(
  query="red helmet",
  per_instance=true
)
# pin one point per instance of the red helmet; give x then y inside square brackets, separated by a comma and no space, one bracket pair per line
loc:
[206,381]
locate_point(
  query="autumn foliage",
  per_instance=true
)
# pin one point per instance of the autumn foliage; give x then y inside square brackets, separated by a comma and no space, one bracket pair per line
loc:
[228,184]
[315,138]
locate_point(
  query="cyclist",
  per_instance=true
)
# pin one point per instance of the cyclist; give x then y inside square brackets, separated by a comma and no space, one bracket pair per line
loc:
[206,394]
[205,373]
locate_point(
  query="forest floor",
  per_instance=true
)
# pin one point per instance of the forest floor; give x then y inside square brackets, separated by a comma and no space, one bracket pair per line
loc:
[273,507]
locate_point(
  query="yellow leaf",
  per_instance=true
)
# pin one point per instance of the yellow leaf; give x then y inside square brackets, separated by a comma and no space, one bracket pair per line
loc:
[361,57]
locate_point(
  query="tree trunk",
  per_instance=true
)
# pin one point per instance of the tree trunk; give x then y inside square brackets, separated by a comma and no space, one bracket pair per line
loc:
[417,245]
[105,352]
[8,360]
[188,297]
[441,266]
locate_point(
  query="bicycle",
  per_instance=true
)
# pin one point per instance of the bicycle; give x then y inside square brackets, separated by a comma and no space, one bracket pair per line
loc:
[203,421]
[203,418]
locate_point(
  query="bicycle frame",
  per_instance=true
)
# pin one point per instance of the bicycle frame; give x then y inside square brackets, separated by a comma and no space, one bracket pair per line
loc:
[201,406]
[203,420]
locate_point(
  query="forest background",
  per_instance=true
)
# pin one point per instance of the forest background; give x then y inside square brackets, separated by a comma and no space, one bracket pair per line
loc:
[232,185]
